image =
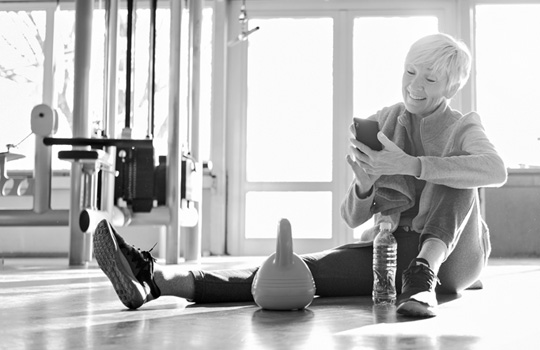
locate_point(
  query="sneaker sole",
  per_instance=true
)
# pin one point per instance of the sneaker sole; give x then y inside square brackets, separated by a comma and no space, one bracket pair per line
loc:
[413,308]
[113,263]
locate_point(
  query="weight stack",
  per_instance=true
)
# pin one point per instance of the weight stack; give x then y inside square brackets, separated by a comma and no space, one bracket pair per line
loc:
[135,180]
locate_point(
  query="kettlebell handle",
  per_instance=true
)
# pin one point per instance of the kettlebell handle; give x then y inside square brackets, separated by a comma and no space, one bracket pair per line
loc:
[284,245]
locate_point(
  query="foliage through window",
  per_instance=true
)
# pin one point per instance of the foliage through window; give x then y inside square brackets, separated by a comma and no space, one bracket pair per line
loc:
[32,51]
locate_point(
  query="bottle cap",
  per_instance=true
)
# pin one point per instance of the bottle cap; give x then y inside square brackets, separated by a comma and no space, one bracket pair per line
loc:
[385,226]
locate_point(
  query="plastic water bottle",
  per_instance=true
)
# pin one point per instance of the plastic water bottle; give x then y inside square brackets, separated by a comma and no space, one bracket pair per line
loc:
[384,266]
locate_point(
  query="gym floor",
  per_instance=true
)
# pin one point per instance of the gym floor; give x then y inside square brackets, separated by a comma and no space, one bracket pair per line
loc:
[45,304]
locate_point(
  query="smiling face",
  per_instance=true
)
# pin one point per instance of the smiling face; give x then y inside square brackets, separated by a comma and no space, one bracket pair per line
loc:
[423,89]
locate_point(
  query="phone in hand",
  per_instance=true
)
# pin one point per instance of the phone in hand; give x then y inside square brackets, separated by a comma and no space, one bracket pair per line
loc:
[366,132]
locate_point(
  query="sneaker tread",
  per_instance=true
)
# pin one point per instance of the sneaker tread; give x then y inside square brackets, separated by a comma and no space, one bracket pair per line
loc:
[115,266]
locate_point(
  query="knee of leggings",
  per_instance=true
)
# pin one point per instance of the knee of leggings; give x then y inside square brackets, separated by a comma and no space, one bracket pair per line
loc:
[447,288]
[455,285]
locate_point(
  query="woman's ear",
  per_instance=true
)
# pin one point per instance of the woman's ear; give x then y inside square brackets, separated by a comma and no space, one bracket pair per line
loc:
[452,91]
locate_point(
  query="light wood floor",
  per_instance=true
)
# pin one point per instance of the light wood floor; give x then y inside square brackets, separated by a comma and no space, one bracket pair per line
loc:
[47,305]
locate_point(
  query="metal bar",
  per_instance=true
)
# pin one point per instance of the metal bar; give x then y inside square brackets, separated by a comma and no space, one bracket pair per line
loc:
[129,71]
[152,69]
[173,169]
[217,206]
[82,141]
[43,155]
[109,126]
[111,68]
[158,216]
[58,217]
[188,217]
[42,176]
[192,236]
[89,219]
[80,244]
[82,59]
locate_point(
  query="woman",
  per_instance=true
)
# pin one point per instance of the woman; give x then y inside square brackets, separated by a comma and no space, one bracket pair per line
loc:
[424,182]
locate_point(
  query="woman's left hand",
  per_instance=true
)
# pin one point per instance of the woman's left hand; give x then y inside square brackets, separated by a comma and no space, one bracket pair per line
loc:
[391,160]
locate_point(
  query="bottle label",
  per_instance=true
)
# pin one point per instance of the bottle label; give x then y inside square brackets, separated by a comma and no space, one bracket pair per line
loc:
[384,274]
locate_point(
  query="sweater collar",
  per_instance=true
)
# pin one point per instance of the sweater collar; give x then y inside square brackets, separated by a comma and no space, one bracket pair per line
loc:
[436,122]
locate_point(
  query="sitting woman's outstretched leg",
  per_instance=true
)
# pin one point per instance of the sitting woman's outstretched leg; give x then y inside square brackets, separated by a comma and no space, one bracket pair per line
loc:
[137,278]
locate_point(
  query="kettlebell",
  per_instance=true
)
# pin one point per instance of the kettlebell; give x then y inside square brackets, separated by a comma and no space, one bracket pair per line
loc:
[283,281]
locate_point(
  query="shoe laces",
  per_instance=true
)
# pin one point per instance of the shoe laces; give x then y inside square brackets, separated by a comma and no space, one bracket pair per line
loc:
[141,258]
[144,263]
[420,276]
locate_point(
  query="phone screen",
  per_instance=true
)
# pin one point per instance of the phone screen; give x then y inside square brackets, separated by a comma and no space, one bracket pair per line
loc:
[366,132]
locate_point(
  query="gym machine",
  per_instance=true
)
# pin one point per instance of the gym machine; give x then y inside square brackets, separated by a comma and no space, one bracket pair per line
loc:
[105,170]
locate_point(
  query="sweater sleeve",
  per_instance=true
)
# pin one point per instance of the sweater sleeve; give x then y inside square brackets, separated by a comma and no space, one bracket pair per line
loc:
[355,210]
[473,161]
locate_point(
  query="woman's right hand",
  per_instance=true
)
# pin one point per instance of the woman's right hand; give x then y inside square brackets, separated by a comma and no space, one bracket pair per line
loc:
[364,181]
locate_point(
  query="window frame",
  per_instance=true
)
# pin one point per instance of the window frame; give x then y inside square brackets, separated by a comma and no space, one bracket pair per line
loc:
[343,14]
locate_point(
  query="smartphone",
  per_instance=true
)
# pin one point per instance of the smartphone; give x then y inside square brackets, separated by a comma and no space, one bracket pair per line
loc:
[366,132]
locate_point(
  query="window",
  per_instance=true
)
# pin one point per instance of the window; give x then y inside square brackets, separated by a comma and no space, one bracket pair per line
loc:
[22,34]
[265,209]
[507,56]
[26,73]
[289,103]
[29,43]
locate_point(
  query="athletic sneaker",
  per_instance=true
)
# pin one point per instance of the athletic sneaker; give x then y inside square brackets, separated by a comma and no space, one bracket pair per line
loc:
[418,298]
[130,270]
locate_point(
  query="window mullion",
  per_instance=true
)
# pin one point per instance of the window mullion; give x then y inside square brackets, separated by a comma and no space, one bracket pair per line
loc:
[343,109]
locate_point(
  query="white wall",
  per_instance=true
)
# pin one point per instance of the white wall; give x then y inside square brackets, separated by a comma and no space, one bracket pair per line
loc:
[513,215]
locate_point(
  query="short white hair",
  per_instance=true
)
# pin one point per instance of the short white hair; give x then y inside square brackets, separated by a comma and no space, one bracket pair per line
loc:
[443,54]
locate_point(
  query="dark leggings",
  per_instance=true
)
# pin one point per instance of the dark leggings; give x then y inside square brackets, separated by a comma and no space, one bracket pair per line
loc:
[348,271]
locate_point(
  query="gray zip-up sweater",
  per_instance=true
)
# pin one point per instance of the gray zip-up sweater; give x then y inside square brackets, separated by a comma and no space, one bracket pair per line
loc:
[458,154]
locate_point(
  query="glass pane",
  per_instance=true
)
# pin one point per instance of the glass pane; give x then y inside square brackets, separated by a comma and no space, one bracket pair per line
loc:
[140,74]
[21,79]
[289,116]
[162,81]
[65,75]
[161,97]
[65,71]
[206,83]
[23,38]
[507,87]
[265,209]
[380,45]
[141,91]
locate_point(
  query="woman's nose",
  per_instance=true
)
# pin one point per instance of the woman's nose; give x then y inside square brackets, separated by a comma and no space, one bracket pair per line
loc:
[416,84]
